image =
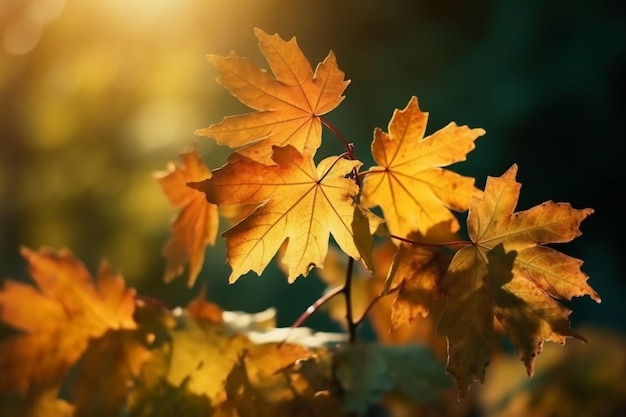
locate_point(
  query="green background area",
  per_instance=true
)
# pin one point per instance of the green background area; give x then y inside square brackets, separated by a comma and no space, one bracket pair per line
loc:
[95,96]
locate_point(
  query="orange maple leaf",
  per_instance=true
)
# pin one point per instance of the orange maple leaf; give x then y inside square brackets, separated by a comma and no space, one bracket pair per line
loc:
[507,272]
[57,318]
[298,202]
[197,222]
[288,106]
[410,186]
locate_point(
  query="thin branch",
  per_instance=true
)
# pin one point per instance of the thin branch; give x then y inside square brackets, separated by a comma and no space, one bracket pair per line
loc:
[313,308]
[374,301]
[415,242]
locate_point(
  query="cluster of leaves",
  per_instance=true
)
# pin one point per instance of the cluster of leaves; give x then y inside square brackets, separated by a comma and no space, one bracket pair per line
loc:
[151,361]
[93,347]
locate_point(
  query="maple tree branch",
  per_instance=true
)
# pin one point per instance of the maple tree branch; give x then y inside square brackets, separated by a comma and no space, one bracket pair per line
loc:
[414,242]
[313,308]
[375,300]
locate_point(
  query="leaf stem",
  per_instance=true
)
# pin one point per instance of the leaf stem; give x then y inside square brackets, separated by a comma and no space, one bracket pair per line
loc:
[375,300]
[414,242]
[331,167]
[349,146]
[370,171]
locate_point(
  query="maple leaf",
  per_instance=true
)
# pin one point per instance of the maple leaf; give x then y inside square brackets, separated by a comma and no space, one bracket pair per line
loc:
[196,225]
[507,272]
[298,202]
[114,361]
[57,318]
[288,106]
[416,271]
[408,183]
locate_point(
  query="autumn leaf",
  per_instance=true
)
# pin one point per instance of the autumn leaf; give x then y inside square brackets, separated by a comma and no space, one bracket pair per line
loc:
[288,107]
[196,225]
[298,202]
[71,308]
[409,183]
[202,309]
[416,271]
[282,380]
[104,373]
[507,272]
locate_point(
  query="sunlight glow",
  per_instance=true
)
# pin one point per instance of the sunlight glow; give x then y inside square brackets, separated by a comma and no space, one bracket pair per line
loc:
[26,25]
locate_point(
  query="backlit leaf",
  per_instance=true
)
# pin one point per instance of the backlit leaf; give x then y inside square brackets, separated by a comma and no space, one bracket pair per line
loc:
[298,202]
[196,224]
[57,317]
[409,183]
[507,272]
[288,105]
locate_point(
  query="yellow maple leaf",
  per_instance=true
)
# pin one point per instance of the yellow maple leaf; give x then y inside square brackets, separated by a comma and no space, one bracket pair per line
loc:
[57,318]
[408,183]
[507,272]
[197,222]
[298,202]
[288,106]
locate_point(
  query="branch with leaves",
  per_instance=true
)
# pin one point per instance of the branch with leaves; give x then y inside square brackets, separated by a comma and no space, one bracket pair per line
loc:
[284,201]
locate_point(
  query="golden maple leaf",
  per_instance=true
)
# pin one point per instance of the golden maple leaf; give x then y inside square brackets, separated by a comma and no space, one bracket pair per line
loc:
[298,202]
[507,272]
[410,186]
[288,106]
[197,222]
[57,318]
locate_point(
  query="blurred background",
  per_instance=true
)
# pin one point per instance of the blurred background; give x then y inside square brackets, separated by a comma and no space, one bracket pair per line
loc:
[97,95]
